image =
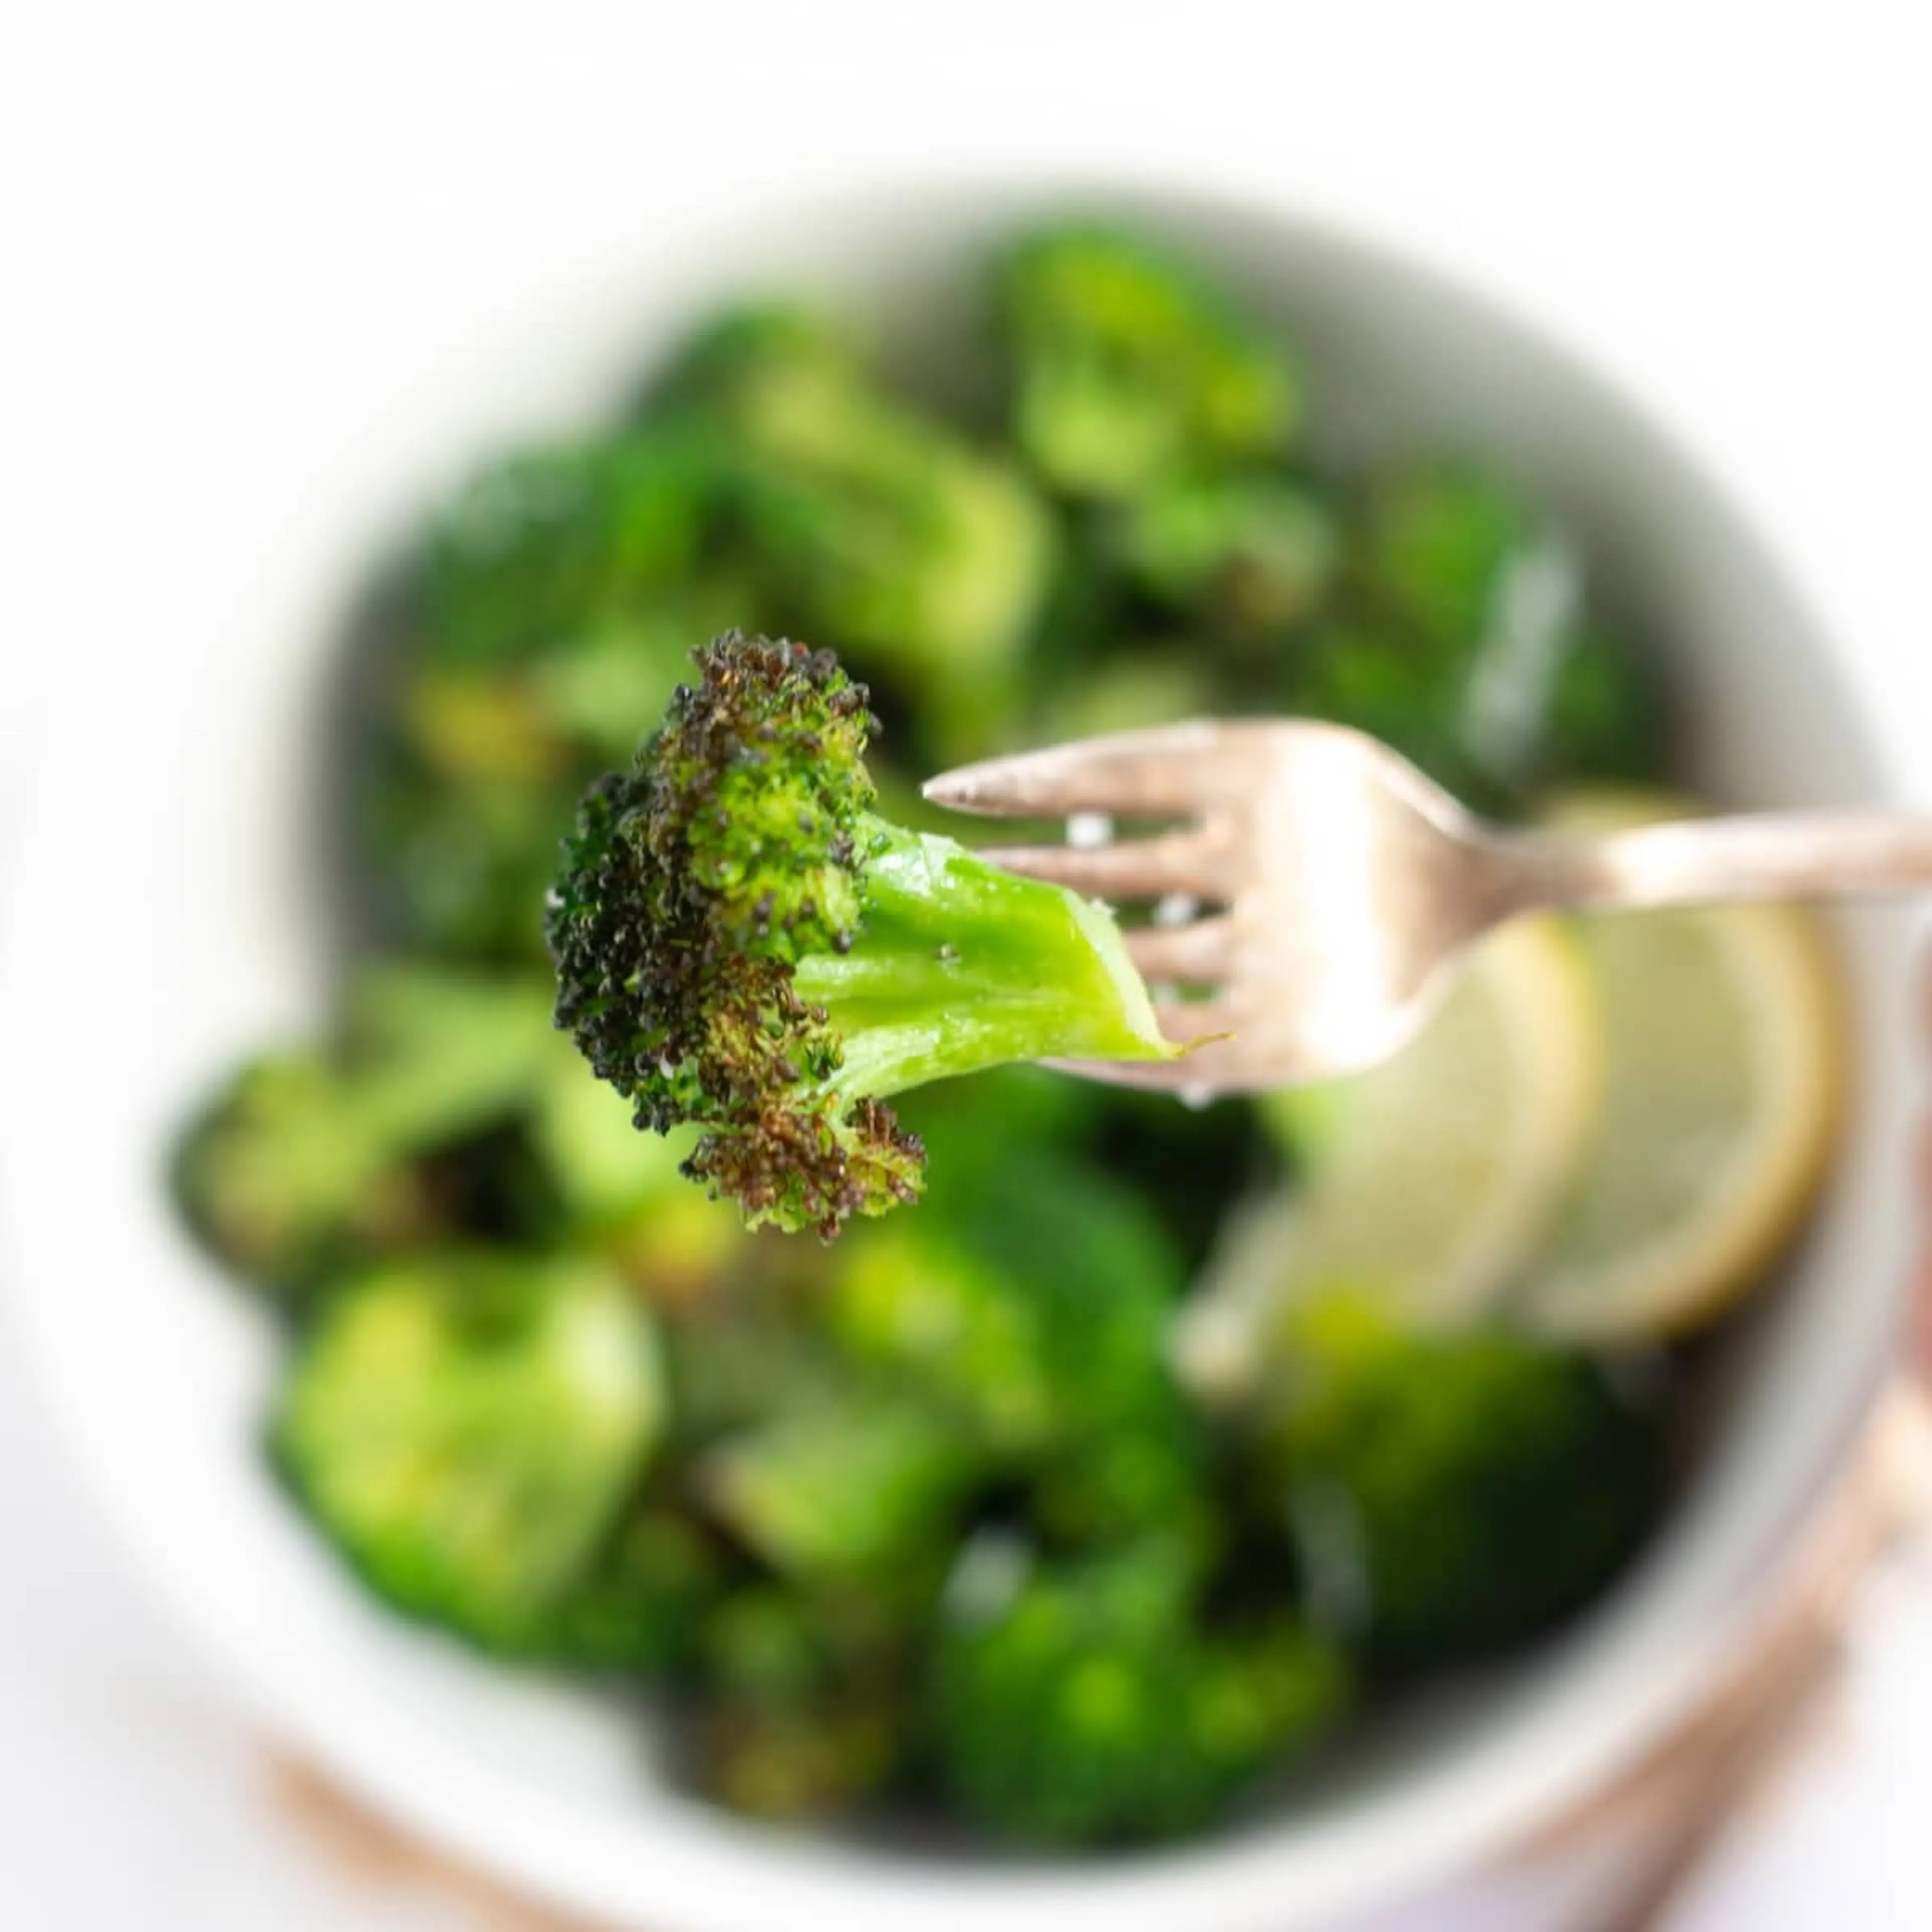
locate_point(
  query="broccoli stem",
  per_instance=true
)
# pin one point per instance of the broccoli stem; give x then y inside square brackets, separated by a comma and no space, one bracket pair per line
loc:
[959,965]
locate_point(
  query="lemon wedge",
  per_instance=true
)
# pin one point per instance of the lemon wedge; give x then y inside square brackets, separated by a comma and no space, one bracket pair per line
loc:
[1426,1180]
[1724,1052]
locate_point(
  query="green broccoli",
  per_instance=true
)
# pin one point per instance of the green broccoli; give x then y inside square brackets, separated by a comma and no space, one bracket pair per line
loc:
[805,1708]
[742,942]
[643,1604]
[1466,642]
[1249,556]
[467,1428]
[1090,1702]
[542,624]
[1128,365]
[1449,1496]
[310,1158]
[862,1485]
[871,522]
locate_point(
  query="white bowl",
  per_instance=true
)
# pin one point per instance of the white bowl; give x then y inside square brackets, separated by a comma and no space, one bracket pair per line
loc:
[208,936]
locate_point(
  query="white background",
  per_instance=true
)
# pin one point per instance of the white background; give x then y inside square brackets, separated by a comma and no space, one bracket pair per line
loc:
[1727,205]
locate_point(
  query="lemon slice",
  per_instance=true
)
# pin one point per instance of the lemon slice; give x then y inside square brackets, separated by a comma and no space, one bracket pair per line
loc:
[1426,1181]
[1724,1048]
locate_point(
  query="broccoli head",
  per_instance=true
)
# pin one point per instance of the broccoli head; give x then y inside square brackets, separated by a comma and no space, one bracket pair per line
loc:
[1091,1702]
[863,1486]
[467,1428]
[643,1604]
[1449,1496]
[1247,556]
[1128,365]
[544,620]
[872,523]
[1466,640]
[311,1158]
[741,942]
[805,1708]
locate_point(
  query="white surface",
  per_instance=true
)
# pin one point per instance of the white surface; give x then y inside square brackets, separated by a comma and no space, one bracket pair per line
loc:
[1730,221]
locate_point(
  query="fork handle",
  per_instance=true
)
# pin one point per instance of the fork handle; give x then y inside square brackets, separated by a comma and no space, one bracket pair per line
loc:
[1708,861]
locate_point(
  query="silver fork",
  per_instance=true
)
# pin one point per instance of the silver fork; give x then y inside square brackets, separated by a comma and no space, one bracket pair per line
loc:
[1318,894]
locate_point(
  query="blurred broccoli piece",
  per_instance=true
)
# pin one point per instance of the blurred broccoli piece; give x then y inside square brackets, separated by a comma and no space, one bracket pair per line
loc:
[1399,688]
[755,348]
[1148,1473]
[1607,719]
[1129,364]
[643,1604]
[743,944]
[1129,690]
[545,622]
[1033,1312]
[1247,556]
[1029,1301]
[1432,545]
[623,1193]
[1467,643]
[1089,1702]
[744,1351]
[804,1708]
[466,1429]
[866,1485]
[311,1158]
[1450,1496]
[873,526]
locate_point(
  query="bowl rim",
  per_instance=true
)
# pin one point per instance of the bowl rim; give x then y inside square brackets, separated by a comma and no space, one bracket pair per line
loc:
[730,1875]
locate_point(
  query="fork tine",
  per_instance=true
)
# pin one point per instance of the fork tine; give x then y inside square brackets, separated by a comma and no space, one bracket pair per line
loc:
[1169,770]
[1194,954]
[1199,862]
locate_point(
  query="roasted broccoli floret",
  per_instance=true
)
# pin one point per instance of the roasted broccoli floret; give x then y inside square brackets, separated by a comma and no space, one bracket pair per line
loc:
[542,624]
[1091,1703]
[806,1708]
[467,1429]
[643,1604]
[1449,1496]
[743,944]
[313,1157]
[1466,642]
[1031,1314]
[1246,556]
[1129,365]
[858,1485]
[872,524]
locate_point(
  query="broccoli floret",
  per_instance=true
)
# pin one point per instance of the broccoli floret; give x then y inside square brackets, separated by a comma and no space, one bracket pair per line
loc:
[544,622]
[1248,556]
[1033,1314]
[757,348]
[1450,1496]
[805,1707]
[644,1602]
[467,1428]
[1091,1703]
[1466,642]
[742,942]
[1128,365]
[864,1485]
[310,1158]
[622,1193]
[1132,689]
[872,524]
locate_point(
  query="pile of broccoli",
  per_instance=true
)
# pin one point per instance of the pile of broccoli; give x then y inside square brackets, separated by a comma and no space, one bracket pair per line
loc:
[924,1516]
